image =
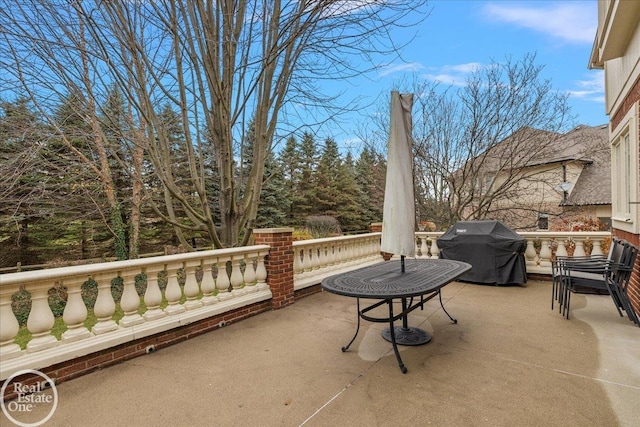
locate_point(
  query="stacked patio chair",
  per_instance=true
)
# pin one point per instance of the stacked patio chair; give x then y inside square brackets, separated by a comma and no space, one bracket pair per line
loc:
[620,284]
[611,274]
[561,267]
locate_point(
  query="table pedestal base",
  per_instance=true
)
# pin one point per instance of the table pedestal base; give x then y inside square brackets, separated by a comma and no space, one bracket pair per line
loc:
[407,336]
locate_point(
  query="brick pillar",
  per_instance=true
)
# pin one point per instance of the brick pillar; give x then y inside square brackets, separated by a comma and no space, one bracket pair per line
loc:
[279,263]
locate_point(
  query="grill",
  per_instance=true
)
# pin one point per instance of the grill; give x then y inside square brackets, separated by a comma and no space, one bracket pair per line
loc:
[495,252]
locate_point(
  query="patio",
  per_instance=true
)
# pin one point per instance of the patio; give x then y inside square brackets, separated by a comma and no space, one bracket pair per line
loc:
[510,360]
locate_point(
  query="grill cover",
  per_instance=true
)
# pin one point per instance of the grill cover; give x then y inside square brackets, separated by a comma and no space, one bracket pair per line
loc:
[495,252]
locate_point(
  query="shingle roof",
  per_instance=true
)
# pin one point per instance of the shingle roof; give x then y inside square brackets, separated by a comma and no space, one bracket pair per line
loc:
[593,186]
[588,145]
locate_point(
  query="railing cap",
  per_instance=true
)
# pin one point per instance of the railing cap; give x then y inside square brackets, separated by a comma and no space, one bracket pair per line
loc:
[115,266]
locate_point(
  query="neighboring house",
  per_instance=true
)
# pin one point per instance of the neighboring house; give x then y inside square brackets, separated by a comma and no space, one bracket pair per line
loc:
[616,49]
[540,180]
[589,196]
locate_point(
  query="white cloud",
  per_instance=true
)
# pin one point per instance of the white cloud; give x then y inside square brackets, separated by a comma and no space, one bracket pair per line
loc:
[455,75]
[570,21]
[400,68]
[589,89]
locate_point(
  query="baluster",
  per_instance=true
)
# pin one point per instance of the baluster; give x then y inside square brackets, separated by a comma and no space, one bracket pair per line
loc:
[261,272]
[236,277]
[579,249]
[349,252]
[424,248]
[191,289]
[372,253]
[250,274]
[322,259]
[222,281]
[10,326]
[340,253]
[105,305]
[75,312]
[306,259]
[153,295]
[324,256]
[315,258]
[530,253]
[353,252]
[435,251]
[597,247]
[561,250]
[173,293]
[40,320]
[130,301]
[208,286]
[545,253]
[297,262]
[331,254]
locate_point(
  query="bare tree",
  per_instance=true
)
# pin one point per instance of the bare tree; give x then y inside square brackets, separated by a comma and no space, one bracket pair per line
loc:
[46,55]
[473,145]
[218,64]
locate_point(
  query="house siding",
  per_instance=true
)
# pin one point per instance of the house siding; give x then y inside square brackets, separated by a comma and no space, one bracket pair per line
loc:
[628,102]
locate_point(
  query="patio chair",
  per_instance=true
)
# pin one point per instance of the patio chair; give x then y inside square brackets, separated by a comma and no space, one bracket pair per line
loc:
[620,281]
[593,262]
[597,273]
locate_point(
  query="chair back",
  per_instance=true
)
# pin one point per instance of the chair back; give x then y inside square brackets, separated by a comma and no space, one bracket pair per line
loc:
[616,249]
[623,259]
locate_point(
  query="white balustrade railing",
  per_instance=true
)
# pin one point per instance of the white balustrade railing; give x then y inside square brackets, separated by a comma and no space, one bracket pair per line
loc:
[198,285]
[318,258]
[542,246]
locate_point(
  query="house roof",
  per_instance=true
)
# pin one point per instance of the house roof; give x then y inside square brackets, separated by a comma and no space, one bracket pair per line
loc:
[587,145]
[529,147]
[593,186]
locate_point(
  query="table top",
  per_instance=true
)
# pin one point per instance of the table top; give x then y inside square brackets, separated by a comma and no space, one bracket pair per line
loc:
[386,280]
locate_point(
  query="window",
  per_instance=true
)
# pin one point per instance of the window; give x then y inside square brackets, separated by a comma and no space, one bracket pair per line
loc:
[623,166]
[543,221]
[624,174]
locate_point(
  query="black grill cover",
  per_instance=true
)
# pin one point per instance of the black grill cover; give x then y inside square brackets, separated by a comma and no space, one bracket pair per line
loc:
[495,252]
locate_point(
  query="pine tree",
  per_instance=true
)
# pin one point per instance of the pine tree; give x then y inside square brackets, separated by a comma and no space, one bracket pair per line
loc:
[370,170]
[326,180]
[349,208]
[305,199]
[274,199]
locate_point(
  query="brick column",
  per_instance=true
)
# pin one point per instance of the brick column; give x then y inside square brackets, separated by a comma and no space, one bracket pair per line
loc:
[279,263]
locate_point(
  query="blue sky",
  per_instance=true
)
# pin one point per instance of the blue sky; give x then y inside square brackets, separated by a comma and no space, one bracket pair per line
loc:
[459,36]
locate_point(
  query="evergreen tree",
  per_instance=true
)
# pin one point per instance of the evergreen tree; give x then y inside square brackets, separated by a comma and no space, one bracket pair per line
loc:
[370,171]
[23,181]
[348,207]
[274,200]
[305,199]
[326,180]
[290,165]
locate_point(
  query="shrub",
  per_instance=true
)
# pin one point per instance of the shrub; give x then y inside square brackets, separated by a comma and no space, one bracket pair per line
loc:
[323,226]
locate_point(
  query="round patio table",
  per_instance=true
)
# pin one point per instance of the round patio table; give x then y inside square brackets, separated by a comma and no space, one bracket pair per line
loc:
[417,279]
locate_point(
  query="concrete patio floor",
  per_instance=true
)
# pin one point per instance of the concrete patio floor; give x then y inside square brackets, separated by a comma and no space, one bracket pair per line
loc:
[509,361]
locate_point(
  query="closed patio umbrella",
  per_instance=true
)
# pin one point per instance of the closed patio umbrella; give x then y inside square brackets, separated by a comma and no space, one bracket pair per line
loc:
[398,221]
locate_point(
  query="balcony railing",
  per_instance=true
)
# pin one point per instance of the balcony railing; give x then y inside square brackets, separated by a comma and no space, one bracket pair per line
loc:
[315,259]
[541,246]
[163,293]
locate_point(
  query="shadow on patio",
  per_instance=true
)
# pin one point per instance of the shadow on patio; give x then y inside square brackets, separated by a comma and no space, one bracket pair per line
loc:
[510,360]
